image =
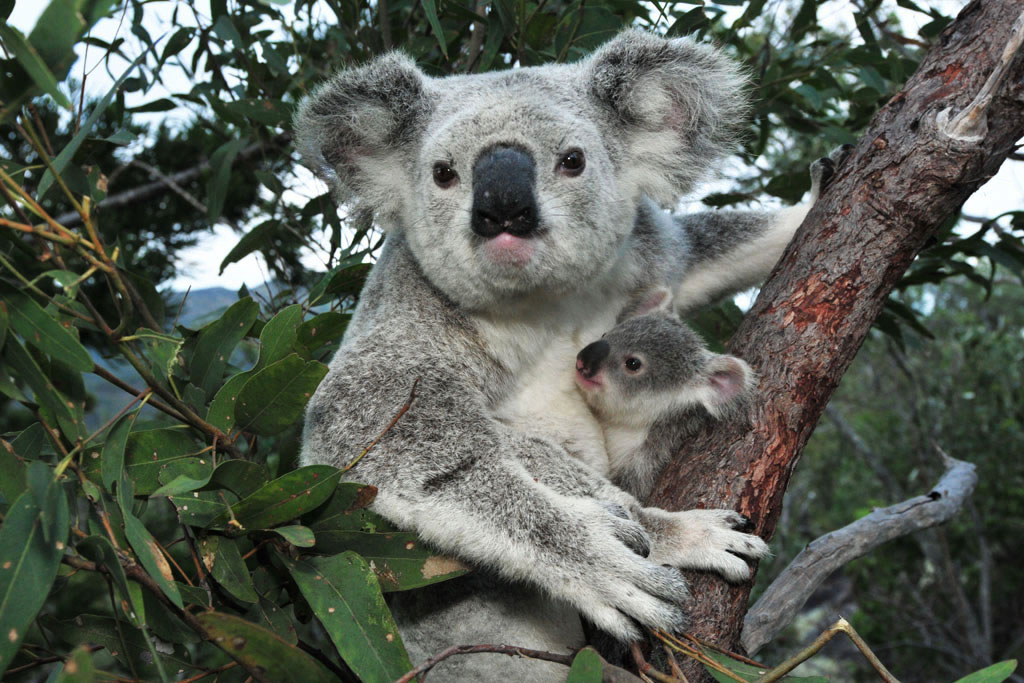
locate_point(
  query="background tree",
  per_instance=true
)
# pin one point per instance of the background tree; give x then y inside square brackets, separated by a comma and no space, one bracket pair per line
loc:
[157,542]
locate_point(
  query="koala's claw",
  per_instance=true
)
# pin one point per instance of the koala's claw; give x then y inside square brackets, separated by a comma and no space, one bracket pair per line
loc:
[630,532]
[824,169]
[745,524]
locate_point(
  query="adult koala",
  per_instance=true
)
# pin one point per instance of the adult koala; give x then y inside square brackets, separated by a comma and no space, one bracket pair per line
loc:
[522,208]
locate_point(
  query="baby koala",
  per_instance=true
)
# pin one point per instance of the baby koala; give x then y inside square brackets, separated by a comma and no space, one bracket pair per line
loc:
[648,382]
[634,394]
[624,404]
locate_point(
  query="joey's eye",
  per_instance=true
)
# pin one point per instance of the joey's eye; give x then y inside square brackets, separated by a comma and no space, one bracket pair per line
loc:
[572,163]
[444,175]
[633,364]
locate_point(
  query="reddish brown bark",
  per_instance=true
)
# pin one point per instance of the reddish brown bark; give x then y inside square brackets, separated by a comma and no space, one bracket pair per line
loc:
[905,177]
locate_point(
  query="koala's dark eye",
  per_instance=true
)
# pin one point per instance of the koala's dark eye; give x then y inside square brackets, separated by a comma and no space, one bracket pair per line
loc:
[444,175]
[633,364]
[572,163]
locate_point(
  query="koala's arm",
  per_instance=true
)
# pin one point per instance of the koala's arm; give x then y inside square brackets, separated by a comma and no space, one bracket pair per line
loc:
[728,251]
[449,472]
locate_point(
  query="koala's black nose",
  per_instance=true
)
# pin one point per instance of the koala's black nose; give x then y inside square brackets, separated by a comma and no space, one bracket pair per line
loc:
[588,361]
[503,198]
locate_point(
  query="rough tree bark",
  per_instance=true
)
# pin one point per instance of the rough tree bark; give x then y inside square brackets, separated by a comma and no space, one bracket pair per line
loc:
[904,178]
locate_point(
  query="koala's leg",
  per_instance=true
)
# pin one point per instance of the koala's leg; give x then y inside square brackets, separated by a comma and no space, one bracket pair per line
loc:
[483,609]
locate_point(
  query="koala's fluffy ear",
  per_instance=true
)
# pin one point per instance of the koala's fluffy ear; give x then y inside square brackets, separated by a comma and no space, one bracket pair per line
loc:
[730,381]
[353,129]
[676,105]
[655,300]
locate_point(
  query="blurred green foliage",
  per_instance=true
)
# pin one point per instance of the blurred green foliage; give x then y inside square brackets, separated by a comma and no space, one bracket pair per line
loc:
[179,539]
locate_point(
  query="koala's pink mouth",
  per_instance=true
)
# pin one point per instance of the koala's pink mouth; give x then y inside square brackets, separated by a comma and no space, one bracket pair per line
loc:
[507,249]
[588,383]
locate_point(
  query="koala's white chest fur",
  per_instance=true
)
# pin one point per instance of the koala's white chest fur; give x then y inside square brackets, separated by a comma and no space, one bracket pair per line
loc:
[545,400]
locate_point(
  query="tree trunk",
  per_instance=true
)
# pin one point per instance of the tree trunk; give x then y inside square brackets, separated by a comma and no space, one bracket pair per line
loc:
[907,175]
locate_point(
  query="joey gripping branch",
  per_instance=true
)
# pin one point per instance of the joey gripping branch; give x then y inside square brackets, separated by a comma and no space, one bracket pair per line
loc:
[906,176]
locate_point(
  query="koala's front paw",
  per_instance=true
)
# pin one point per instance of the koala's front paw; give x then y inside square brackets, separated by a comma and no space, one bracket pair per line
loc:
[613,585]
[703,539]
[824,169]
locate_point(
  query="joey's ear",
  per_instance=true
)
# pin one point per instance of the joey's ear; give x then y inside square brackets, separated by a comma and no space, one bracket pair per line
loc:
[730,381]
[656,300]
[676,105]
[353,130]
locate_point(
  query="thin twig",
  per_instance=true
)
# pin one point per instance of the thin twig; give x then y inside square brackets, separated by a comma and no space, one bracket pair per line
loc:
[646,669]
[510,650]
[841,626]
[47,660]
[408,404]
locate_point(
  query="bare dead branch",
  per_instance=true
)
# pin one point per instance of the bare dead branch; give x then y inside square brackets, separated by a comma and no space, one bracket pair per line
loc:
[165,184]
[788,593]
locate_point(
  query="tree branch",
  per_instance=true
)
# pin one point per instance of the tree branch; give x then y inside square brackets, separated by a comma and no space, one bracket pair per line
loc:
[904,178]
[815,563]
[167,183]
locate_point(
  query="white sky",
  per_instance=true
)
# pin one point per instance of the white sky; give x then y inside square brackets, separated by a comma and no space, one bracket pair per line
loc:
[199,265]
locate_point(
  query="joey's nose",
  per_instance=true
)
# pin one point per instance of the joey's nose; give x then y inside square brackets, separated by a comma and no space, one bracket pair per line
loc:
[588,361]
[503,193]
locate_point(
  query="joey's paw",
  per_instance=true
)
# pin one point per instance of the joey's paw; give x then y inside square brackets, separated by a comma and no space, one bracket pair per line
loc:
[704,539]
[824,169]
[627,530]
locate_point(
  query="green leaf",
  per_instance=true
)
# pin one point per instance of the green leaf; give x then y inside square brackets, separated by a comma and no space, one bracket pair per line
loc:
[216,342]
[586,667]
[161,350]
[221,557]
[257,647]
[183,476]
[399,558]
[273,399]
[148,452]
[297,535]
[270,616]
[28,564]
[62,159]
[241,477]
[256,239]
[33,63]
[99,550]
[991,674]
[430,8]
[322,329]
[279,335]
[220,176]
[344,595]
[267,111]
[146,547]
[78,668]
[112,455]
[285,498]
[88,628]
[69,417]
[222,408]
[39,329]
[12,474]
[200,508]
